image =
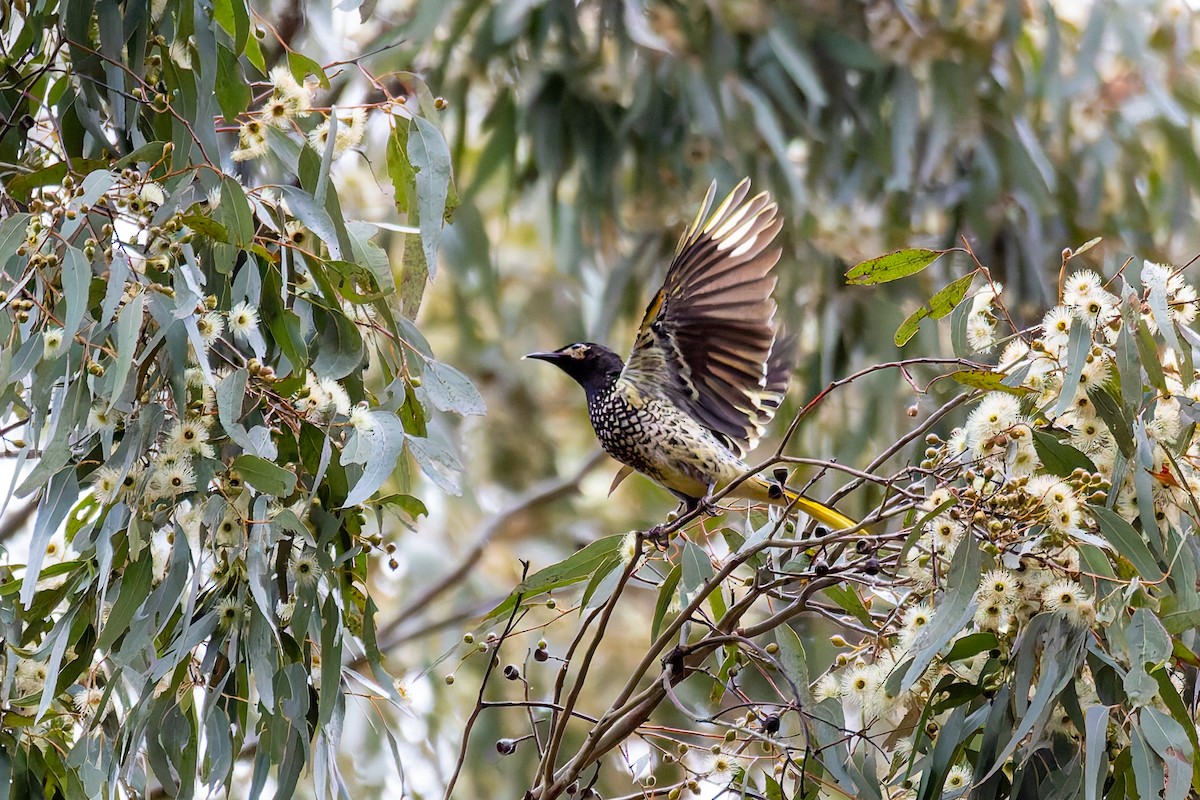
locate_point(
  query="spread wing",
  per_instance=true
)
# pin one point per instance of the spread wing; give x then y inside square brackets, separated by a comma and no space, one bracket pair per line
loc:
[707,341]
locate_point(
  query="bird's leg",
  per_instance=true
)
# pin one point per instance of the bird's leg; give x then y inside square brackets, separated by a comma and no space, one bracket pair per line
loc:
[705,503]
[658,535]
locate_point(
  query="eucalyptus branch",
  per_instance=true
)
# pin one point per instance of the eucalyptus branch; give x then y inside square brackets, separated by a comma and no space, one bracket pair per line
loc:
[862,373]
[479,702]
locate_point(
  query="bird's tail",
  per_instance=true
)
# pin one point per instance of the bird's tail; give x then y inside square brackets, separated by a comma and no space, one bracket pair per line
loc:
[778,494]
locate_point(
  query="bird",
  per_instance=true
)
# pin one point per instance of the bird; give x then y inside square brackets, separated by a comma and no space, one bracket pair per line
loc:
[708,368]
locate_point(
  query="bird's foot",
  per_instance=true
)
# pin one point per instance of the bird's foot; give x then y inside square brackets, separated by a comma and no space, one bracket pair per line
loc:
[706,504]
[777,489]
[660,536]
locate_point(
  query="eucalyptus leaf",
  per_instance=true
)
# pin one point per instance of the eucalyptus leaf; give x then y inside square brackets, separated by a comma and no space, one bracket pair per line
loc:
[265,476]
[574,569]
[385,441]
[430,157]
[438,463]
[893,266]
[450,390]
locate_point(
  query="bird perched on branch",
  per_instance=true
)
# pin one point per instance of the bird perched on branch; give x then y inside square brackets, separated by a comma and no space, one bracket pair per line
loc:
[707,371]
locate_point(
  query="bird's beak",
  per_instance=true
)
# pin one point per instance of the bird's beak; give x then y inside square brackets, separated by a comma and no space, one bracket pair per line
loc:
[551,356]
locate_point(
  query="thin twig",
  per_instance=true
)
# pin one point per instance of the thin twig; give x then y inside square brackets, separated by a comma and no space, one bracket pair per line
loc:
[493,658]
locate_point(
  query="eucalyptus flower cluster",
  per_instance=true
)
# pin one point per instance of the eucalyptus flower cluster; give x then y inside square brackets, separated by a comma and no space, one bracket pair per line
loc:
[288,105]
[1057,513]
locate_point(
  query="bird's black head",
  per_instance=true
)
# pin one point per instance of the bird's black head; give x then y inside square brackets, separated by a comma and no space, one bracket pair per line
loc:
[594,366]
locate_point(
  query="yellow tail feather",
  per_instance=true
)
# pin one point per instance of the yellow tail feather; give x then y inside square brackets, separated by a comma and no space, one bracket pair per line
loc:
[761,489]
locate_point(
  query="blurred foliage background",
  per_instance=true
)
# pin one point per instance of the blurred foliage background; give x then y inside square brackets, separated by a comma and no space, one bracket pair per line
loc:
[583,136]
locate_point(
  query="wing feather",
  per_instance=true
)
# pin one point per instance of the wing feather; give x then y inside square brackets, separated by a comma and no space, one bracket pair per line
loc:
[708,341]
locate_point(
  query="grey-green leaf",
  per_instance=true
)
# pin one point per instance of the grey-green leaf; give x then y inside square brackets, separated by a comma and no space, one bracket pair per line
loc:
[437,462]
[430,156]
[384,444]
[1127,541]
[1169,740]
[450,390]
[76,280]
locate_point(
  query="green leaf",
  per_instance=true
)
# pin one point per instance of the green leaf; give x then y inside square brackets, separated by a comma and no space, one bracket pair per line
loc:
[1128,542]
[890,267]
[697,567]
[400,169]
[938,306]
[601,585]
[1147,645]
[1148,350]
[793,661]
[233,92]
[410,505]
[370,255]
[1057,646]
[236,212]
[315,217]
[910,326]
[339,345]
[135,587]
[12,235]
[207,227]
[303,66]
[666,594]
[851,603]
[950,296]
[1079,345]
[55,505]
[76,280]
[1058,458]
[1147,771]
[574,569]
[1180,621]
[265,476]
[231,392]
[1109,410]
[1180,712]
[413,278]
[971,645]
[233,17]
[450,390]
[949,618]
[285,329]
[21,186]
[1148,641]
[987,380]
[430,157]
